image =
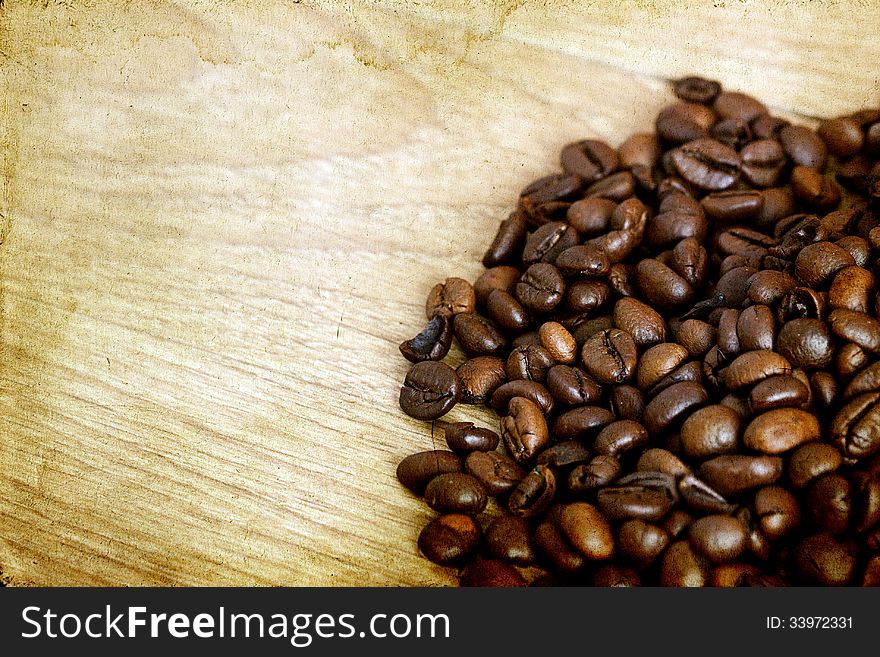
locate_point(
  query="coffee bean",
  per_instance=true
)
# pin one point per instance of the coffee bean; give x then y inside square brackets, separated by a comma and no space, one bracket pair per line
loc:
[416,470]
[670,227]
[586,294]
[756,328]
[657,459]
[780,430]
[627,402]
[616,187]
[431,344]
[549,189]
[699,496]
[707,164]
[558,342]
[587,530]
[610,356]
[564,454]
[732,206]
[810,461]
[661,285]
[824,388]
[531,390]
[533,493]
[719,538]
[819,262]
[856,327]
[778,392]
[803,146]
[728,339]
[524,429]
[430,390]
[732,474]
[851,289]
[710,431]
[867,380]
[496,471]
[733,104]
[639,320]
[696,336]
[696,89]
[465,437]
[509,240]
[454,296]
[735,133]
[682,567]
[621,436]
[778,511]
[814,190]
[586,259]
[641,541]
[753,367]
[502,277]
[830,503]
[589,159]
[506,312]
[572,386]
[509,538]
[529,363]
[600,471]
[479,377]
[673,404]
[823,560]
[540,288]
[489,573]
[645,495]
[690,261]
[591,216]
[580,422]
[683,122]
[763,162]
[778,203]
[806,343]
[557,549]
[855,429]
[449,539]
[548,241]
[456,492]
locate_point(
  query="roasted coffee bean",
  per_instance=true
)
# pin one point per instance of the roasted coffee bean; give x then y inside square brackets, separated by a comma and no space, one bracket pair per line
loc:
[823,560]
[572,386]
[497,472]
[856,327]
[506,312]
[416,470]
[682,567]
[540,288]
[810,461]
[508,242]
[806,343]
[533,493]
[763,162]
[753,367]
[710,431]
[627,402]
[696,89]
[479,377]
[557,549]
[719,538]
[622,280]
[641,541]
[549,189]
[843,136]
[672,404]
[580,422]
[830,503]
[728,339]
[558,342]
[699,496]
[564,454]
[755,328]
[548,241]
[610,356]
[613,575]
[696,336]
[587,259]
[677,522]
[641,149]
[732,132]
[803,146]
[707,164]
[531,390]
[855,429]
[502,277]
[450,539]
[731,474]
[683,122]
[813,189]
[456,492]
[431,344]
[780,430]
[657,459]
[661,285]
[509,538]
[528,362]
[800,302]
[659,361]
[867,380]
[591,216]
[489,573]
[851,289]
[690,261]
[477,336]
[778,392]
[589,159]
[587,530]
[778,203]
[733,104]
[645,495]
[587,294]
[599,472]
[616,187]
[454,296]
[865,500]
[732,206]
[644,324]
[736,573]
[524,429]
[670,227]
[777,510]
[817,263]
[429,390]
[465,437]
[621,436]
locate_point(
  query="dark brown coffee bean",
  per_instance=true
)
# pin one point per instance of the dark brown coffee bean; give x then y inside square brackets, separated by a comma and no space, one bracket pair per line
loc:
[564,454]
[695,89]
[456,492]
[871,576]
[580,422]
[682,122]
[710,431]
[591,216]
[503,277]
[450,539]
[690,261]
[813,189]
[763,162]
[753,367]
[572,386]
[657,459]
[823,560]
[416,470]
[731,474]
[509,538]
[855,429]
[853,174]
[454,296]
[479,377]
[549,189]
[489,573]
[676,523]
[613,575]
[670,227]
[528,362]
[865,500]
[645,495]
[557,549]
[558,342]
[586,259]
[641,541]
[778,203]
[531,390]
[534,493]
[431,344]
[540,288]
[867,380]
[817,263]
[824,388]
[659,361]
[778,392]
[718,538]
[728,340]
[477,336]
[778,511]
[810,461]
[765,126]
[548,241]
[800,302]
[851,289]
[860,328]
[733,104]
[627,402]
[729,575]
[599,472]
[843,136]
[429,390]
[780,430]
[610,356]
[732,132]
[733,206]
[696,336]
[767,287]
[707,164]
[806,343]
[682,567]
[661,285]
[589,159]
[586,294]
[465,437]
[755,328]
[857,247]
[587,530]
[640,149]
[621,436]
[509,240]
[830,503]
[643,323]
[622,280]
[673,404]
[497,472]
[699,496]
[616,187]
[524,429]
[506,312]
[803,146]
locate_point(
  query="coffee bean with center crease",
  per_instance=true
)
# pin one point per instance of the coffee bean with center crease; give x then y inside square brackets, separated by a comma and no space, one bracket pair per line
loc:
[673,404]
[431,344]
[700,496]
[707,164]
[732,474]
[661,285]
[531,390]
[753,367]
[416,470]
[695,89]
[552,188]
[479,377]
[639,320]
[524,429]
[465,437]
[496,471]
[580,422]
[477,336]
[540,288]
[509,538]
[616,187]
[732,206]
[610,356]
[564,454]
[429,390]
[449,539]
[763,162]
[502,277]
[533,493]
[855,429]
[509,240]
[572,386]
[528,362]
[778,392]
[600,471]
[645,495]
[621,436]
[589,159]
[683,122]
[506,312]
[548,241]
[454,296]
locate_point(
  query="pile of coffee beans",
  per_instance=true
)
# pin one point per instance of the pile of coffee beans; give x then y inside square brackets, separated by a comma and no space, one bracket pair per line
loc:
[681,336]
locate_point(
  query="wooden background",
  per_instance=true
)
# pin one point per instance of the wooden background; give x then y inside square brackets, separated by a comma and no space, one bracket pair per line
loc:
[219,220]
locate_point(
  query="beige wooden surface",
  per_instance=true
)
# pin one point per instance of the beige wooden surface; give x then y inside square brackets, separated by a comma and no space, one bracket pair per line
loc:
[219,220]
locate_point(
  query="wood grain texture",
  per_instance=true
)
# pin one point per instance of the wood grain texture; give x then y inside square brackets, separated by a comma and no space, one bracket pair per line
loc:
[219,222]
